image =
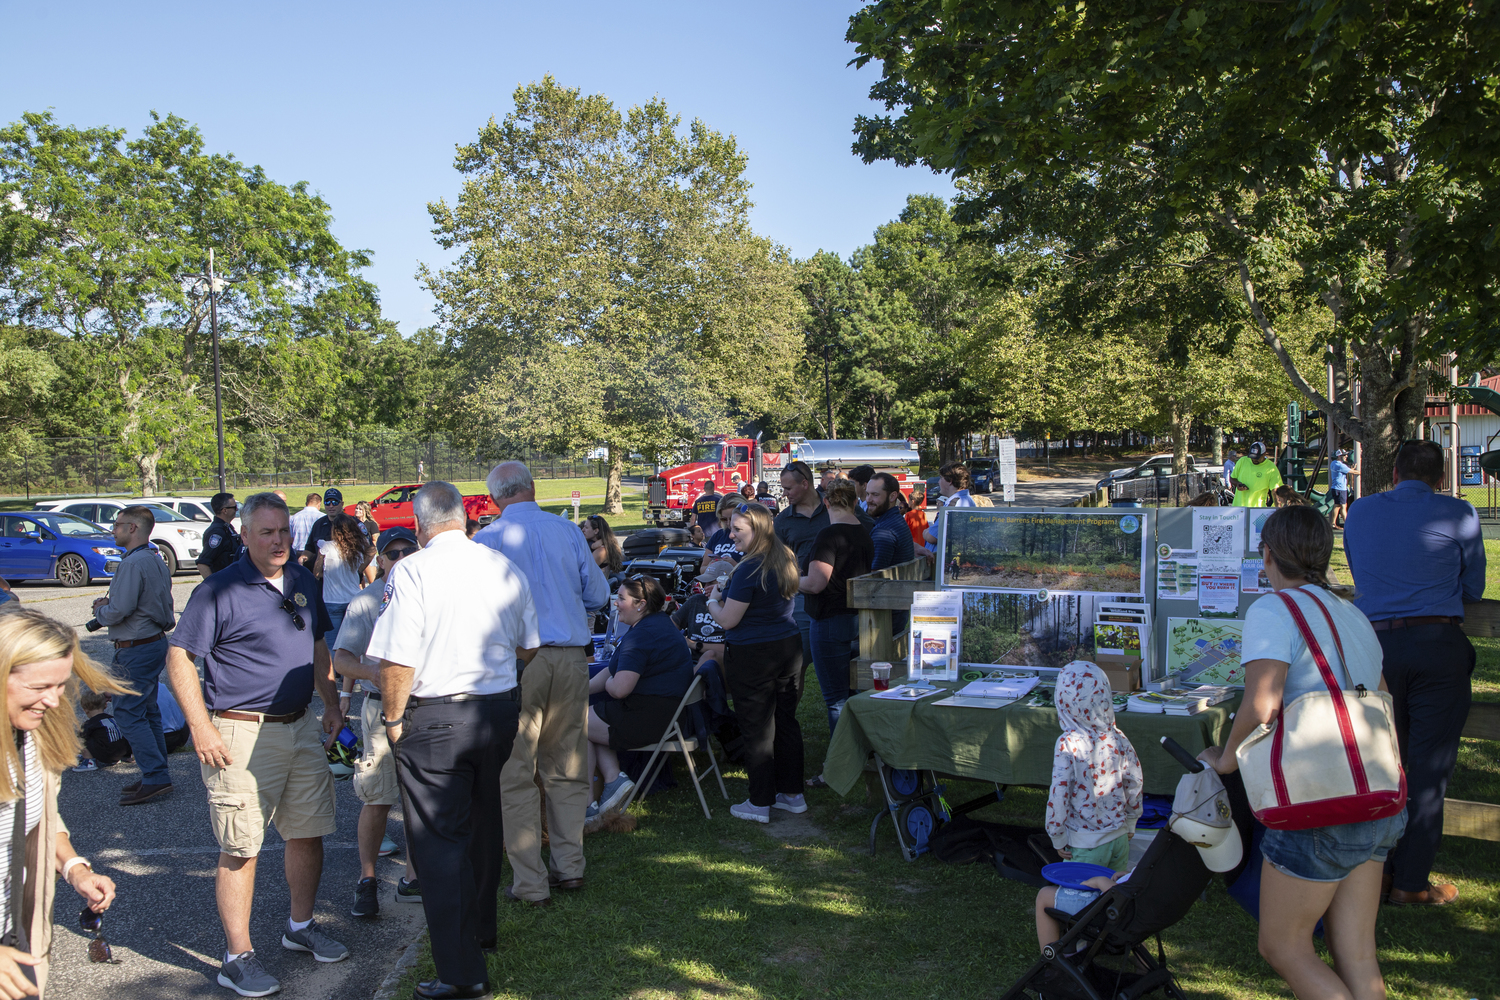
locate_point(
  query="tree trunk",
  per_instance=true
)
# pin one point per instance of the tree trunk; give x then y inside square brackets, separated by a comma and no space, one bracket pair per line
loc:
[1182,424]
[1218,433]
[612,497]
[146,465]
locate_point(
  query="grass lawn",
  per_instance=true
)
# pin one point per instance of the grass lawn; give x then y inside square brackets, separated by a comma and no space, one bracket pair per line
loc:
[691,908]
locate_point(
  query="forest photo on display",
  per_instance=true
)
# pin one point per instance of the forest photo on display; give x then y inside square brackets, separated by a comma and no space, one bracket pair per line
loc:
[1022,630]
[1091,552]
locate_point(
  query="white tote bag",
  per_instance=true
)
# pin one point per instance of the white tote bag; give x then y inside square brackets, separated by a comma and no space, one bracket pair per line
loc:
[1328,758]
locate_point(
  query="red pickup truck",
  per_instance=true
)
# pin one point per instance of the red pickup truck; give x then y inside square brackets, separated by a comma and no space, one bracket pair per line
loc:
[392,509]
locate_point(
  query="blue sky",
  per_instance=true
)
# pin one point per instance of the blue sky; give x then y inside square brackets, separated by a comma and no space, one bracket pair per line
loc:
[366,102]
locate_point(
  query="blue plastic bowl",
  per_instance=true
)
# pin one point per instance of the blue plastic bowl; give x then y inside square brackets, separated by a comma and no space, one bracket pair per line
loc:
[1072,874]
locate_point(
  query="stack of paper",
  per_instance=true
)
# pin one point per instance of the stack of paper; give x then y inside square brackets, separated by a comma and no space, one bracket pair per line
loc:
[1183,704]
[1214,694]
[1147,702]
[1008,689]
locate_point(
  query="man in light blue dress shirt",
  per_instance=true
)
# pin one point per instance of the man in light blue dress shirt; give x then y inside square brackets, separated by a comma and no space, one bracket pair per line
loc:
[552,741]
[1417,557]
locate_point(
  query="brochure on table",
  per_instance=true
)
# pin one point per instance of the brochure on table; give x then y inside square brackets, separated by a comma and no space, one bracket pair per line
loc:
[936,625]
[1183,577]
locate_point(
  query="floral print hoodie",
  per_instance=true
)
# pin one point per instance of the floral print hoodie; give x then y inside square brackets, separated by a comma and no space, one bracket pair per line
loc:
[1096,777]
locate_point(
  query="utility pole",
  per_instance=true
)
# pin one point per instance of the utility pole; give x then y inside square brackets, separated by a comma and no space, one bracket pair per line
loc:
[213,325]
[833,433]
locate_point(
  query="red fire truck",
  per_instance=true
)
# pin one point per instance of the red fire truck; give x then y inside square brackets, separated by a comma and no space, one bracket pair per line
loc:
[731,461]
[392,509]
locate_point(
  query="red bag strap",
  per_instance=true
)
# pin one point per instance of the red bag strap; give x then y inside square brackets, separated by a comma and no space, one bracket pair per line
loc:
[1340,710]
[1343,660]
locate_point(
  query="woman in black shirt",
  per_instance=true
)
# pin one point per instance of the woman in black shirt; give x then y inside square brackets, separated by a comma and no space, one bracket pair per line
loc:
[842,550]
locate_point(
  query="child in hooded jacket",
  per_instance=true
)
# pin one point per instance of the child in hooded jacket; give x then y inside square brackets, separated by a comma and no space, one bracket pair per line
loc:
[1096,794]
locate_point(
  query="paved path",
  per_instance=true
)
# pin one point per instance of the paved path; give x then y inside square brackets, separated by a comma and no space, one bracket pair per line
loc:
[164,927]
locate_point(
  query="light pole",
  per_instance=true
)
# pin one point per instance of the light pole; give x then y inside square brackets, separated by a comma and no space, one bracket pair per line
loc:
[213,325]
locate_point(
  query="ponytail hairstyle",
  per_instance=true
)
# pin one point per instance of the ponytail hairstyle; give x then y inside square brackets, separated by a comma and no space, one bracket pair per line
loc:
[778,565]
[646,588]
[1300,540]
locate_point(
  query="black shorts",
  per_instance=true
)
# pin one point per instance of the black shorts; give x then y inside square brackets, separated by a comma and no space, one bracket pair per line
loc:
[637,720]
[1340,498]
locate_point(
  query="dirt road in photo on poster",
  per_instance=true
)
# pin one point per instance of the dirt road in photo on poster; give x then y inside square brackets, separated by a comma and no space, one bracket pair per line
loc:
[1027,630]
[1088,551]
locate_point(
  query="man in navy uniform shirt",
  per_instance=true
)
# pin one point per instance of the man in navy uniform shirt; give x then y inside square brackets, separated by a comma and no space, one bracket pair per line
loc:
[706,509]
[221,543]
[1417,557]
[258,626]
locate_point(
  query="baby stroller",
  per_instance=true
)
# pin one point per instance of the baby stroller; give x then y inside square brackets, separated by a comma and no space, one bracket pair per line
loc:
[1160,891]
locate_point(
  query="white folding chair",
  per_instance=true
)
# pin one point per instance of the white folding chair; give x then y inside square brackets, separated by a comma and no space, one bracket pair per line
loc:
[673,740]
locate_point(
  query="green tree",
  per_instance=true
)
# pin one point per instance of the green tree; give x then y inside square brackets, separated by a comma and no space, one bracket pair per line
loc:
[1307,151]
[105,243]
[609,288]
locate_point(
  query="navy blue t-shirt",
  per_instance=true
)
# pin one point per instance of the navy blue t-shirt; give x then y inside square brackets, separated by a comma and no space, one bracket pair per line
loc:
[254,657]
[654,649]
[769,616]
[721,546]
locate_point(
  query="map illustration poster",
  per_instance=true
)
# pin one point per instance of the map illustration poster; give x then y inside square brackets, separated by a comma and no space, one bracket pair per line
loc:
[1205,650]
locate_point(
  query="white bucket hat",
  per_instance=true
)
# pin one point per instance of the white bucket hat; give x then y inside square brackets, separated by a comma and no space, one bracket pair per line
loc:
[1201,816]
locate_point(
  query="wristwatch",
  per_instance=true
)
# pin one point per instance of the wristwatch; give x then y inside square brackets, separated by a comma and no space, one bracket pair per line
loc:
[391,722]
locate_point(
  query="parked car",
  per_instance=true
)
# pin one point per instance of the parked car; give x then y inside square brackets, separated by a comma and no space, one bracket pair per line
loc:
[1156,465]
[192,508]
[52,546]
[177,538]
[984,474]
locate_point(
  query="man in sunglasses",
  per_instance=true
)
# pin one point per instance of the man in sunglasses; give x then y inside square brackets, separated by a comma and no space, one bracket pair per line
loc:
[221,543]
[258,626]
[375,774]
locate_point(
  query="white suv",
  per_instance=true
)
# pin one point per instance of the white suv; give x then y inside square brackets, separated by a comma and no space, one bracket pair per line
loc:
[192,508]
[178,538]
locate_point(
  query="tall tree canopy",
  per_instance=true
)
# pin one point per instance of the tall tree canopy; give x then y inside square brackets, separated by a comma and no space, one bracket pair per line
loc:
[104,243]
[609,287]
[1311,153]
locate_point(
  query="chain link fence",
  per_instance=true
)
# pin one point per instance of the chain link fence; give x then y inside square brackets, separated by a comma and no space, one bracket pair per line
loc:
[86,466]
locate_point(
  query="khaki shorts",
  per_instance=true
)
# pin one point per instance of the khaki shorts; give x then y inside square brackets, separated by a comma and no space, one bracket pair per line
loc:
[280,775]
[375,771]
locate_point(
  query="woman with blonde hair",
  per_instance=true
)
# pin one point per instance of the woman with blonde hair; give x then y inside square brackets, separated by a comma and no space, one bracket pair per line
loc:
[41,666]
[763,663]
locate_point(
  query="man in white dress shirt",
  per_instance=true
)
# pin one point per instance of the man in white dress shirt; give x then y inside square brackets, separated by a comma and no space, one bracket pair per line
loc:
[458,616]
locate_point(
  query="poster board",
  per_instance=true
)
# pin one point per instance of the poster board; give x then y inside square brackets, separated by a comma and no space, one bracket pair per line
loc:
[1046,550]
[1200,626]
[1027,630]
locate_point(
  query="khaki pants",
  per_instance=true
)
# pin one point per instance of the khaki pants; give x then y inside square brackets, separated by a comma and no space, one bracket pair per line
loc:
[552,742]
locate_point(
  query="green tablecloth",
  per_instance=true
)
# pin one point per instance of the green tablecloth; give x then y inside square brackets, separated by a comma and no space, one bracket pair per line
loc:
[1011,745]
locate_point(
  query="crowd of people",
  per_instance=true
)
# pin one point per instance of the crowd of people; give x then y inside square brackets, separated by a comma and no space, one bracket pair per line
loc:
[483,717]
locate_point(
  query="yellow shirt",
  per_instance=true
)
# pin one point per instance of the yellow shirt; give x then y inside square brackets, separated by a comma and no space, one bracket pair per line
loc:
[1259,480]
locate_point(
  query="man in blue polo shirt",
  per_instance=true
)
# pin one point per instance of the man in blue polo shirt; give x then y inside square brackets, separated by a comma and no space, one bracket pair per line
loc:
[258,626]
[1417,557]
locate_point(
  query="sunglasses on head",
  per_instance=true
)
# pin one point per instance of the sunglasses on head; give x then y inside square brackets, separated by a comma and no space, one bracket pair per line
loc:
[99,951]
[291,609]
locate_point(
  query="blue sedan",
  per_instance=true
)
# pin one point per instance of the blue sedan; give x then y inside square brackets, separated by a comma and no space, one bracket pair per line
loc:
[41,545]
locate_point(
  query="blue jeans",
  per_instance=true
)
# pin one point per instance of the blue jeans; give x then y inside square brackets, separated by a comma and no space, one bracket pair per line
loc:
[336,616]
[832,648]
[137,715]
[804,628]
[1331,853]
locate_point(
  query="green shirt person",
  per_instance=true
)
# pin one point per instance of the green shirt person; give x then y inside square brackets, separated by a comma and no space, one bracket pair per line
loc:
[1254,477]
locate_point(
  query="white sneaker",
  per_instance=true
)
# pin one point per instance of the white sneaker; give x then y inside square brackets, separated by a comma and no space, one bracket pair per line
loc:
[756,814]
[791,803]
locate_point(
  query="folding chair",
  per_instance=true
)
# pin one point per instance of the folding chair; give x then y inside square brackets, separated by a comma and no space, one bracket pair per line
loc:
[1161,890]
[673,740]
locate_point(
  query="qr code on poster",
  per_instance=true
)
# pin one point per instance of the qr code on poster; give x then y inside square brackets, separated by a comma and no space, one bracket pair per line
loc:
[1218,540]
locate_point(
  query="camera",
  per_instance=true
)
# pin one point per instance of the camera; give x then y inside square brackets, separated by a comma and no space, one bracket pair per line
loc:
[94,625]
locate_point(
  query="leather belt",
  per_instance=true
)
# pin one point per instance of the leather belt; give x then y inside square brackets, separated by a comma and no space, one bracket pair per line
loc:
[372,696]
[1389,623]
[514,694]
[259,717]
[125,643]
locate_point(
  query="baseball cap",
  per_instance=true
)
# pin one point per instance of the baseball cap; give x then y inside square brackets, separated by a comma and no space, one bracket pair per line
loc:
[1257,449]
[390,535]
[1341,453]
[220,499]
[714,570]
[1202,817]
[332,495]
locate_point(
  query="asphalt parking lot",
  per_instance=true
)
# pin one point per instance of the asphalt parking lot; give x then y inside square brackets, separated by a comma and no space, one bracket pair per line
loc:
[164,926]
